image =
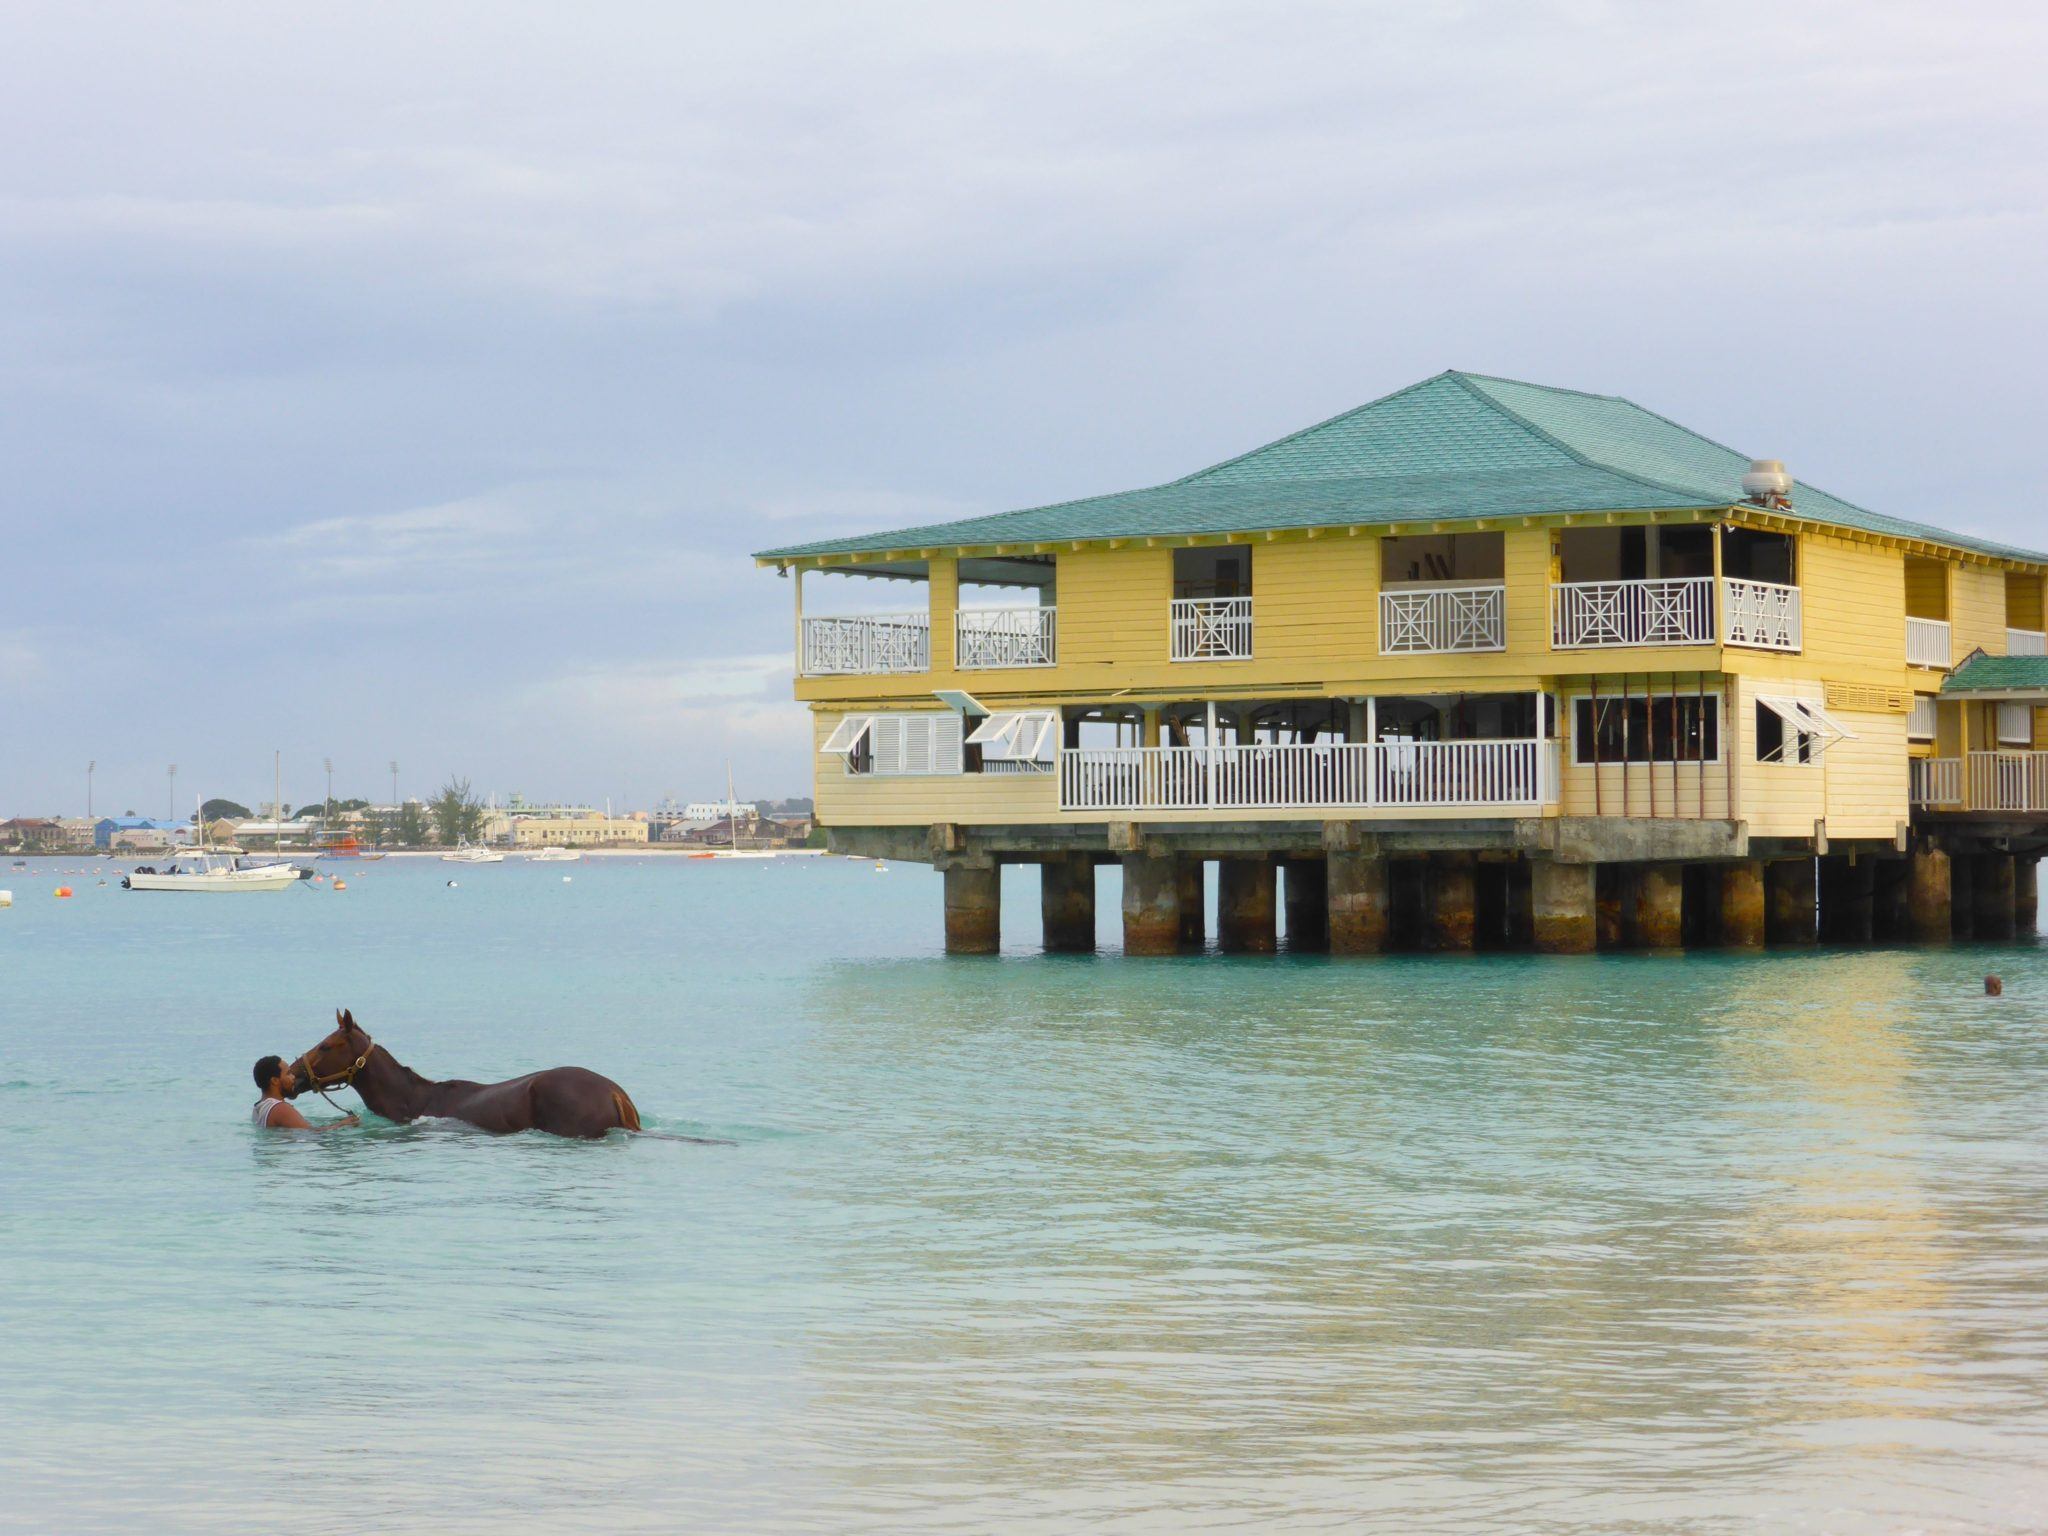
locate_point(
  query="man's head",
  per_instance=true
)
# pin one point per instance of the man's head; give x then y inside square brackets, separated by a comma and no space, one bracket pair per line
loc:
[270,1076]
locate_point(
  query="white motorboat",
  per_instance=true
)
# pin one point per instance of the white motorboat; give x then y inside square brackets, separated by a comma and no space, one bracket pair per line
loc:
[470,853]
[205,870]
[554,856]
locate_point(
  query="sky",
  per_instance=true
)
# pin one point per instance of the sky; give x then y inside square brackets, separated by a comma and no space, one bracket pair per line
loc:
[413,381]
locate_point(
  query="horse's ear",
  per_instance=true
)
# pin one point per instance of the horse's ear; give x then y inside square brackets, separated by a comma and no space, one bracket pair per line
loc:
[347,1017]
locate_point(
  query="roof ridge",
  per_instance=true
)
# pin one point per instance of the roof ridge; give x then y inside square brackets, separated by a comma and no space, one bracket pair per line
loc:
[1501,406]
[1328,421]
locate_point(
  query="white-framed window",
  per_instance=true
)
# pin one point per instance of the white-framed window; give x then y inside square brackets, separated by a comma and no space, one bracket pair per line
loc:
[1021,742]
[893,746]
[2016,725]
[1790,730]
[1920,721]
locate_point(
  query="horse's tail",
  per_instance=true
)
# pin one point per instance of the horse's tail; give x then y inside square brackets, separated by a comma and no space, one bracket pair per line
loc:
[629,1117]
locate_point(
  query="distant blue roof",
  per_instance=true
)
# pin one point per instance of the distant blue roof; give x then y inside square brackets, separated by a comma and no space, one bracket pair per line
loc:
[139,824]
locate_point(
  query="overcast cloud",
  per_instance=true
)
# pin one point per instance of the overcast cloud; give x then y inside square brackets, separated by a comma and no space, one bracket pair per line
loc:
[412,381]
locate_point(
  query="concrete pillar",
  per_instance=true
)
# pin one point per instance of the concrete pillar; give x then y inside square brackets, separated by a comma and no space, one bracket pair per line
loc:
[1993,895]
[1245,906]
[1194,903]
[974,909]
[1360,904]
[1742,903]
[1562,896]
[1453,902]
[1066,903]
[1848,890]
[1892,915]
[1151,904]
[1789,909]
[1308,905]
[1656,906]
[1962,890]
[1927,894]
[2026,895]
[1609,883]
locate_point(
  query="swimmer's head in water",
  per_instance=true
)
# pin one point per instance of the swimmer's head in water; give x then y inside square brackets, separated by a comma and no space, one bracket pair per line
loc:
[268,1070]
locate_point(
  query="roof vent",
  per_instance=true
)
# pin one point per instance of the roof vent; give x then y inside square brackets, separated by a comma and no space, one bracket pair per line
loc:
[1766,483]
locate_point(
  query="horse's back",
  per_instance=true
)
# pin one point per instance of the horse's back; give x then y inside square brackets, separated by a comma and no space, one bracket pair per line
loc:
[575,1101]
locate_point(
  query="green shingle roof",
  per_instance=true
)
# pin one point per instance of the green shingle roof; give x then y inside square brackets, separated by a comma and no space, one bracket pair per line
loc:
[1459,445]
[1998,674]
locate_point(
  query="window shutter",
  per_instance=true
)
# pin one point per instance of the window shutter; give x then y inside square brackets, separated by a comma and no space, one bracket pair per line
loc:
[886,739]
[946,755]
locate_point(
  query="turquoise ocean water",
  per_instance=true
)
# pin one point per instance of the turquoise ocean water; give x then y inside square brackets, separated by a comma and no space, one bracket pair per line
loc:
[1626,1243]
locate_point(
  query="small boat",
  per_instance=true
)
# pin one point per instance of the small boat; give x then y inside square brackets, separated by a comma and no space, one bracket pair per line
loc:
[554,855]
[467,852]
[206,870]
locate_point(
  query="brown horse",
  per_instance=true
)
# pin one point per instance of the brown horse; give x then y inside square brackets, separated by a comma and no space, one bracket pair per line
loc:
[565,1101]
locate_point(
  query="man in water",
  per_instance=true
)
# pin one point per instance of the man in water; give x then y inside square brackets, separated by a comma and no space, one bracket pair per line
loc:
[273,1113]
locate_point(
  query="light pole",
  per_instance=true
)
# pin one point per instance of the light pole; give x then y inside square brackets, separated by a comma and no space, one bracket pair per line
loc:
[329,813]
[88,787]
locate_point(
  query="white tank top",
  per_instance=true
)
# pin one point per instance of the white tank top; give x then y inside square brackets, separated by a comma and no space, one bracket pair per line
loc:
[261,1113]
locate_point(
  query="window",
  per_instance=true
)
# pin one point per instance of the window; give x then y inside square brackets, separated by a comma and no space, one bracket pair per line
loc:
[849,740]
[1794,730]
[1920,723]
[2015,725]
[927,743]
[1685,729]
[1217,570]
[1015,743]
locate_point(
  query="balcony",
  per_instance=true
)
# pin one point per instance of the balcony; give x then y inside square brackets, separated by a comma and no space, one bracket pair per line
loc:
[2026,642]
[1004,637]
[1586,615]
[1761,615]
[1509,776]
[868,644]
[2009,781]
[1212,629]
[1927,643]
[1935,781]
[1443,619]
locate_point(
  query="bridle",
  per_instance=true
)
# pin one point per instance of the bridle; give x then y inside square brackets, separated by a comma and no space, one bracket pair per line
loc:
[321,1082]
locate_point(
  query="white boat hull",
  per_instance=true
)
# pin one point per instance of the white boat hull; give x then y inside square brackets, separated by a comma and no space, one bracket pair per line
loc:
[274,879]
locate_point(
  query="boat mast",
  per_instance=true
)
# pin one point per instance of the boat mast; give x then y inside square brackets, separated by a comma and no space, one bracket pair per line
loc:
[732,808]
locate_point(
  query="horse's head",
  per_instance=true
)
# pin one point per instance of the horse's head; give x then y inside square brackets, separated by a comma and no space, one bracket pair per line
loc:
[336,1060]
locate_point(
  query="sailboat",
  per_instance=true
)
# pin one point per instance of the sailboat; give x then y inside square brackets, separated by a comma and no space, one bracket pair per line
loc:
[732,822]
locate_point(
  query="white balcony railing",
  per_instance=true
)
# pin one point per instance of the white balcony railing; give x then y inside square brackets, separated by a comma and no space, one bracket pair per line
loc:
[2009,781]
[1677,611]
[1467,618]
[884,642]
[1762,615]
[1004,637]
[1927,643]
[1505,775]
[1935,780]
[1212,629]
[2026,642]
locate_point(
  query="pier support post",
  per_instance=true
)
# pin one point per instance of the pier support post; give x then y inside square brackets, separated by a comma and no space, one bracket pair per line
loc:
[1927,894]
[1453,902]
[1308,905]
[1742,904]
[1962,891]
[1066,903]
[1656,906]
[1610,883]
[1151,904]
[1562,896]
[1359,903]
[1246,889]
[1891,915]
[1994,893]
[1789,911]
[2026,895]
[974,908]
[1194,903]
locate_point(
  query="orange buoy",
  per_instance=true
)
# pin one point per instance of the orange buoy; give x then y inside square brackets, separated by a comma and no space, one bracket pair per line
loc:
[63,890]
[340,885]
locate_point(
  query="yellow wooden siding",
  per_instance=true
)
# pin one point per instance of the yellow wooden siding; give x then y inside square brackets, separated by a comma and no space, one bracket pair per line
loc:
[1314,600]
[1979,615]
[865,799]
[1858,787]
[1926,588]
